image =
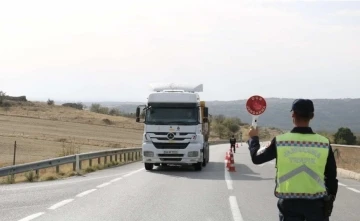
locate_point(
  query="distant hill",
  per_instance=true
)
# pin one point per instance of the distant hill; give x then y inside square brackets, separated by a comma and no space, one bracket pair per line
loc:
[330,114]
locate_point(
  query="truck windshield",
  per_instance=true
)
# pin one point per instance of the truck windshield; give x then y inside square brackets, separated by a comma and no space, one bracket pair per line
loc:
[172,116]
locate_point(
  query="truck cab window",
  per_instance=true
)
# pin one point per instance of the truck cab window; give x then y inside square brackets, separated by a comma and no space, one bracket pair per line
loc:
[172,115]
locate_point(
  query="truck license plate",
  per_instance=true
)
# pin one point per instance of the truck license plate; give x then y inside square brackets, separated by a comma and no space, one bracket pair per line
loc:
[170,152]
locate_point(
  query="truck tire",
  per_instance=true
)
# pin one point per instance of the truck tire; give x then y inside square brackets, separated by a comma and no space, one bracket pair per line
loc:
[204,161]
[149,166]
[198,166]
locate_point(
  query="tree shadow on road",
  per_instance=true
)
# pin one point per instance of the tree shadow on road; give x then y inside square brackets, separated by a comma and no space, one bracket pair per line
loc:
[212,171]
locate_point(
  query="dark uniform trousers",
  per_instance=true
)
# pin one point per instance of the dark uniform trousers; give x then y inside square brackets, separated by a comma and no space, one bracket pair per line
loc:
[301,210]
[232,144]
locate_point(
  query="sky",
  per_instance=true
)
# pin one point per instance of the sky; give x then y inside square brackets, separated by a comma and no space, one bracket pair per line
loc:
[111,50]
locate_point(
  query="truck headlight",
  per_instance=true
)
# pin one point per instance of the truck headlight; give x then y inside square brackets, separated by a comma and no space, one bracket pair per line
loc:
[148,154]
[193,139]
[193,154]
[147,138]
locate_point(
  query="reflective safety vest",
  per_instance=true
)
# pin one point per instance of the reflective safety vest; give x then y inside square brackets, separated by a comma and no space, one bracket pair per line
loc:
[301,160]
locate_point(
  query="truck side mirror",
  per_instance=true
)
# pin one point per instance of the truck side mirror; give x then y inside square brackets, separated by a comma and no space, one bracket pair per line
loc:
[138,114]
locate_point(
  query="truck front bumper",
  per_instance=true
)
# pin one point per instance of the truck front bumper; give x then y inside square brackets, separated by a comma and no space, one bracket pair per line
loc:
[192,154]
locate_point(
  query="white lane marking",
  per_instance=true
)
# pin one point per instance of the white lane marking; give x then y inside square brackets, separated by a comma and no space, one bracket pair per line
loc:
[235,209]
[228,179]
[65,182]
[114,180]
[341,184]
[60,204]
[355,190]
[31,217]
[103,185]
[85,193]
[131,173]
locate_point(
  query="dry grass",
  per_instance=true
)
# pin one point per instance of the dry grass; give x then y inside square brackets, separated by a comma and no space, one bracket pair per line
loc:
[347,158]
[40,110]
[44,131]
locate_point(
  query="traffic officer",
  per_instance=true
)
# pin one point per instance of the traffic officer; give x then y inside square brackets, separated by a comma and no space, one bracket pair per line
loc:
[233,142]
[306,182]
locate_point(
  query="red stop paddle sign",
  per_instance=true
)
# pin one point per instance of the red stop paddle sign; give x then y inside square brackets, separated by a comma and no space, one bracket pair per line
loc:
[256,105]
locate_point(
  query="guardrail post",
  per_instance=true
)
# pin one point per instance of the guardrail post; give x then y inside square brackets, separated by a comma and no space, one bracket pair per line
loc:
[90,163]
[116,157]
[77,163]
[105,160]
[57,169]
[111,158]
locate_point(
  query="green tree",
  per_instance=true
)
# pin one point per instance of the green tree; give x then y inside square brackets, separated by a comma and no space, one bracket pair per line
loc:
[232,125]
[2,97]
[219,119]
[220,130]
[95,108]
[344,136]
[114,112]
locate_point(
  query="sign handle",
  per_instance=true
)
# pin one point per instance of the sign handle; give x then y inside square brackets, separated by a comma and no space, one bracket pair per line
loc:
[254,121]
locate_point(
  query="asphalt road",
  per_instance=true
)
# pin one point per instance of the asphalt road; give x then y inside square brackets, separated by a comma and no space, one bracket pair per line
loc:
[131,193]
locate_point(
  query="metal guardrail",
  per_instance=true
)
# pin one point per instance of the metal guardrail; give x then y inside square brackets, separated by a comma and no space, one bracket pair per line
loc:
[340,145]
[76,160]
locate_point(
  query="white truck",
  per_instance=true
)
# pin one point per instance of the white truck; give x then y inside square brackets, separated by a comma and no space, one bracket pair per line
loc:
[176,130]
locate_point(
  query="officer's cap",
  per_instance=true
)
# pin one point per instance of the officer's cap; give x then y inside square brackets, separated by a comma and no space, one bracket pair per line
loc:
[303,107]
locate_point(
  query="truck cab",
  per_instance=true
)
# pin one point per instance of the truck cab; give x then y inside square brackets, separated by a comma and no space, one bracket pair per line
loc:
[176,127]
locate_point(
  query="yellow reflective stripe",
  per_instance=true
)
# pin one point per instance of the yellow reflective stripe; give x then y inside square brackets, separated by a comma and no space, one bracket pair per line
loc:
[298,170]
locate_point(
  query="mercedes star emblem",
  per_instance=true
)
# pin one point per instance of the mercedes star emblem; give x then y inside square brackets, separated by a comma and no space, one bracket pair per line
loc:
[170,136]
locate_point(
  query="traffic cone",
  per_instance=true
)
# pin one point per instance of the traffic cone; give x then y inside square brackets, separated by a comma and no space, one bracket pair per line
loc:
[231,163]
[227,159]
[227,156]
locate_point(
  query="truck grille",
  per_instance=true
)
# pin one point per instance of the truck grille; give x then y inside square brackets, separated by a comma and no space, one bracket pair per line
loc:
[165,138]
[170,145]
[170,155]
[165,133]
[170,159]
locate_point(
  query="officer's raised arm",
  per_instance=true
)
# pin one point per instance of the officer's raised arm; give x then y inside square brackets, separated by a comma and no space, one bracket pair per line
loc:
[264,155]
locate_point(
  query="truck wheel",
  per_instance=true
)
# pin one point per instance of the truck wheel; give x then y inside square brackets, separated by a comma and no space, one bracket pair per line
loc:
[149,166]
[198,166]
[204,162]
